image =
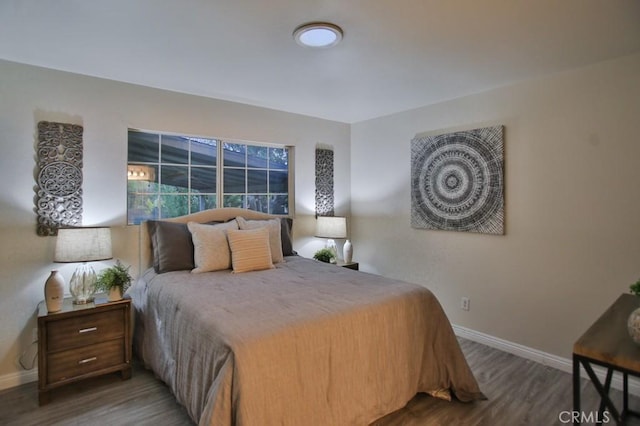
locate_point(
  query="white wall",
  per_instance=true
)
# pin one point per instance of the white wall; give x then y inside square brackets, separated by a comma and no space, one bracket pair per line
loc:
[572,242]
[106,109]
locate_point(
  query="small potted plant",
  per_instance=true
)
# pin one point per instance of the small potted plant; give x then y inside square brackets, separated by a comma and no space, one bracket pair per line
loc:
[114,280]
[325,255]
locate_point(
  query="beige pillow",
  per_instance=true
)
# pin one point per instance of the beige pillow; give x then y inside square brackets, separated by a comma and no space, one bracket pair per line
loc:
[275,238]
[210,246]
[250,250]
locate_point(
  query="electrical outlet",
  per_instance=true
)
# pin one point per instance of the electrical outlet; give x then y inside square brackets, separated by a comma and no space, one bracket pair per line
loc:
[34,334]
[465,303]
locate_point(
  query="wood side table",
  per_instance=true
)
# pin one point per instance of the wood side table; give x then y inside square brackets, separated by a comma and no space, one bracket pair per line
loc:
[82,341]
[349,265]
[607,344]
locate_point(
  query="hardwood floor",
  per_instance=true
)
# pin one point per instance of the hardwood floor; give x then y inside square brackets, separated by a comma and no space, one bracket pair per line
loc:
[519,392]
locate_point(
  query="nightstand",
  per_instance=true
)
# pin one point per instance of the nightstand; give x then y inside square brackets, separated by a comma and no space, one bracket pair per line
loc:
[82,341]
[350,265]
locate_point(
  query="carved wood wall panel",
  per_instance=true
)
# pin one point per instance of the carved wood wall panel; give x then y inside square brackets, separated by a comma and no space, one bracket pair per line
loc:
[324,182]
[59,177]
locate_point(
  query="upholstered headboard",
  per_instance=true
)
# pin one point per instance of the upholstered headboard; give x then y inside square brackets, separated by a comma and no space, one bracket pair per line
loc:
[213,215]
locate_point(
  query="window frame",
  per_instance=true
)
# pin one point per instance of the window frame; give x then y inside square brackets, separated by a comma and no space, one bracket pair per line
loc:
[219,166]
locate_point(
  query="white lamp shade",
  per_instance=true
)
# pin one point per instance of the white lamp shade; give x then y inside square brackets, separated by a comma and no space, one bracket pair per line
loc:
[83,245]
[331,227]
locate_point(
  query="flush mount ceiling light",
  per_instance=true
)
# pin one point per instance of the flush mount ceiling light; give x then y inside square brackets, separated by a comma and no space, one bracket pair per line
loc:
[318,34]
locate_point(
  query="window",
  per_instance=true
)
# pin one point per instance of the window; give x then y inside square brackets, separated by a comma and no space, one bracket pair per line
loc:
[172,175]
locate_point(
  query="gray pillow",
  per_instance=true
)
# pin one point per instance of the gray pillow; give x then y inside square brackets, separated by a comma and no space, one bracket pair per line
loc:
[172,246]
[286,227]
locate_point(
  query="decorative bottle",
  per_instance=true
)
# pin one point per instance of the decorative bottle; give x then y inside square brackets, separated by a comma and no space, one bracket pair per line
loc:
[347,252]
[54,291]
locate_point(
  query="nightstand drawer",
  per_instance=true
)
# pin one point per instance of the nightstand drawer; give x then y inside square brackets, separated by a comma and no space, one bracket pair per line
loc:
[85,330]
[76,362]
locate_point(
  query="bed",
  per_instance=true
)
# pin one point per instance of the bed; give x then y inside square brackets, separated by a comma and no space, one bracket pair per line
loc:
[296,342]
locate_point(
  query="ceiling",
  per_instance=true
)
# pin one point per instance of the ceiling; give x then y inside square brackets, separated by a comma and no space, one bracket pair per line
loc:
[395,55]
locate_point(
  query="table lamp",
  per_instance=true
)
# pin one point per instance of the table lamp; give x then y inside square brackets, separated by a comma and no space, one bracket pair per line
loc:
[331,227]
[83,245]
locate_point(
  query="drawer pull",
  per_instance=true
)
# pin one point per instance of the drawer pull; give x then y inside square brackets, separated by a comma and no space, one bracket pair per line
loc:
[84,361]
[88,330]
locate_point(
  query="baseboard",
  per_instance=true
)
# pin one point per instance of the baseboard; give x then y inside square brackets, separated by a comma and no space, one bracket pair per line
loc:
[12,380]
[544,358]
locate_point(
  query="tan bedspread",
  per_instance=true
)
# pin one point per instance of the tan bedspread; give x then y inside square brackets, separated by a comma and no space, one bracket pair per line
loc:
[305,343]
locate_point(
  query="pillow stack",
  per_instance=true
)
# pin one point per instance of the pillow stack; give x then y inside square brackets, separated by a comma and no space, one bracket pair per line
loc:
[275,239]
[240,244]
[210,246]
[250,250]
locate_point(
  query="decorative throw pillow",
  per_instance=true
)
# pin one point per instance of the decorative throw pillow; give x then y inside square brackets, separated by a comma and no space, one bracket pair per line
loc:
[250,249]
[275,238]
[171,246]
[211,249]
[286,228]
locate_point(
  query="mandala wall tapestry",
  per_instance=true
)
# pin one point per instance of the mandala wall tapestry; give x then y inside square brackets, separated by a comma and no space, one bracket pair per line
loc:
[59,177]
[324,182]
[457,181]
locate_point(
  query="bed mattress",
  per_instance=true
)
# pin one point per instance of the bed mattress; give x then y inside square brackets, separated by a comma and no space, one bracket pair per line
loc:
[304,343]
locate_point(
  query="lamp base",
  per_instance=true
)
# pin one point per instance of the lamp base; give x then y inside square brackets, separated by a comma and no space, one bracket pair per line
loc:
[83,284]
[331,245]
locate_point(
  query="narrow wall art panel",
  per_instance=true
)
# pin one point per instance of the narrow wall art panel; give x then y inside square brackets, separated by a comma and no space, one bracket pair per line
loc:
[457,181]
[324,182]
[59,177]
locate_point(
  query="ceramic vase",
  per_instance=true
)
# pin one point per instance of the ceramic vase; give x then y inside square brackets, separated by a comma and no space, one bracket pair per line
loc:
[633,325]
[115,294]
[347,252]
[54,291]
